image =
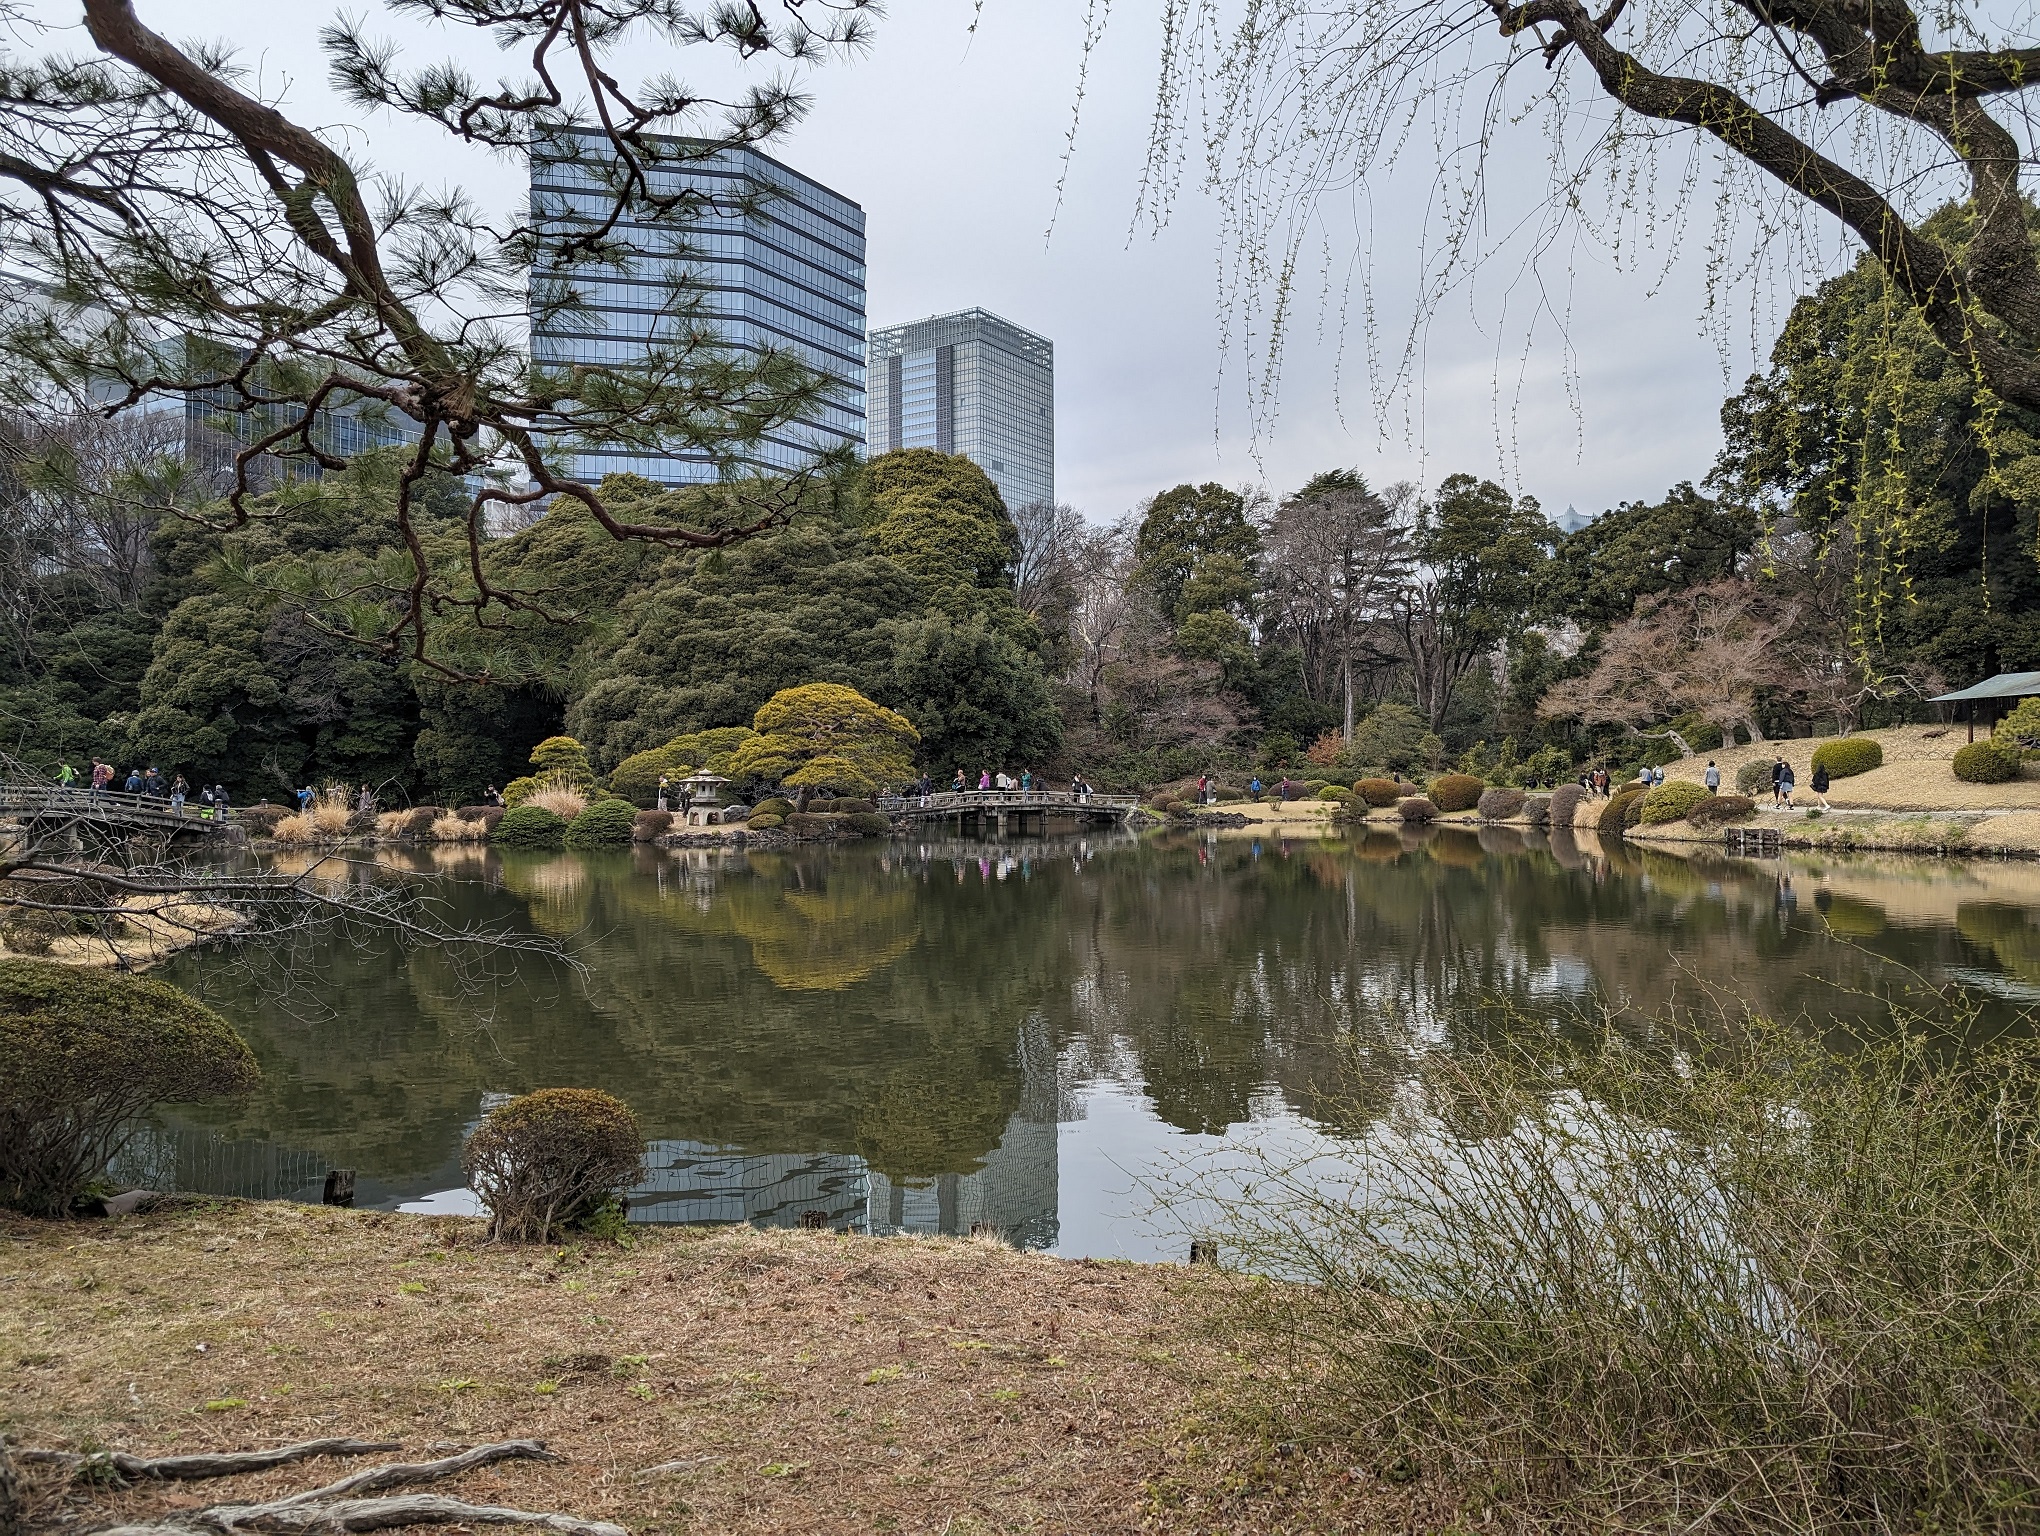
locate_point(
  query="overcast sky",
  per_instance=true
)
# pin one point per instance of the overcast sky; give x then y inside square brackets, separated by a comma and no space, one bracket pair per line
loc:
[954,142]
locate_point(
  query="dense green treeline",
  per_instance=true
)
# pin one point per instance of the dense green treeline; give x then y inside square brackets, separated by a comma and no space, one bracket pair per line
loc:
[1867,538]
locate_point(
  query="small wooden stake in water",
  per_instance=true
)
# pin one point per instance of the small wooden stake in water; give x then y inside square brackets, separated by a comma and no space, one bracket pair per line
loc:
[340,1187]
[813,1221]
[1203,1250]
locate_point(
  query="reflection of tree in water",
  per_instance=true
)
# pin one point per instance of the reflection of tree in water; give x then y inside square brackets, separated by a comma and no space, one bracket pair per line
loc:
[861,1000]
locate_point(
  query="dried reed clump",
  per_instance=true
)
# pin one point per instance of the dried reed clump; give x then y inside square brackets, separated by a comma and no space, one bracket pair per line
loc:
[393,824]
[296,831]
[329,813]
[450,828]
[1753,1287]
[563,800]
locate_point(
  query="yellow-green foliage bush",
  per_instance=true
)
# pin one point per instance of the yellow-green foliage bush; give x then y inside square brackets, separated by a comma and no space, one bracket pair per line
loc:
[551,1159]
[1849,756]
[1672,801]
[1986,762]
[84,1057]
[1717,810]
[766,821]
[604,823]
[2020,730]
[529,826]
[1456,792]
[562,754]
[1379,793]
[1338,794]
[636,778]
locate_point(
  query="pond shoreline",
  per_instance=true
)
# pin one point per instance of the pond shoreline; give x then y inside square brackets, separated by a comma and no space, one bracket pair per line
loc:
[763,1380]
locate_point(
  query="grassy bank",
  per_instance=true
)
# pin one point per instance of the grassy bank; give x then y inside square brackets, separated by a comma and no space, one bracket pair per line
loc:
[796,1381]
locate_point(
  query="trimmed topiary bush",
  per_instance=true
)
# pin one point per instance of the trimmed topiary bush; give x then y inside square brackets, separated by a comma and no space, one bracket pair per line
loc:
[1753,778]
[1718,810]
[1615,814]
[1228,793]
[1417,808]
[529,826]
[420,822]
[1338,794]
[1850,756]
[1986,762]
[562,754]
[84,1056]
[1456,792]
[603,824]
[810,824]
[1379,793]
[517,791]
[857,807]
[1672,801]
[1565,804]
[1499,804]
[550,1159]
[765,821]
[636,778]
[1537,810]
[648,826]
[776,805]
[262,817]
[869,824]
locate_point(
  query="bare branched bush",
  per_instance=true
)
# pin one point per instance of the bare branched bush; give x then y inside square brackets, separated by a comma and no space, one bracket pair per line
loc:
[1760,1287]
[552,1158]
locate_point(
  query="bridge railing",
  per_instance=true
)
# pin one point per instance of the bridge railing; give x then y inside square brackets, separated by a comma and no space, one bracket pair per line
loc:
[1007,800]
[50,800]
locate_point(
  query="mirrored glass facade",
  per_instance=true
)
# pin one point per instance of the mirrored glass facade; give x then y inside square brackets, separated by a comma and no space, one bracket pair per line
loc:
[973,384]
[784,270]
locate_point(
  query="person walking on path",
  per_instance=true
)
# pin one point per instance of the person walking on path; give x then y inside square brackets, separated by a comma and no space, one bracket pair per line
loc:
[66,776]
[959,785]
[664,782]
[1786,783]
[1777,780]
[102,775]
[133,783]
[1712,778]
[1820,785]
[1204,789]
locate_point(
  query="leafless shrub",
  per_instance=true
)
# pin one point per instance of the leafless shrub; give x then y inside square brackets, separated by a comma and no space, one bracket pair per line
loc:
[551,1158]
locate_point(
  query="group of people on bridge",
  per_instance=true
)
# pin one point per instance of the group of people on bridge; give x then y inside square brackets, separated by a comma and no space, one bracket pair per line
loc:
[146,783]
[1026,782]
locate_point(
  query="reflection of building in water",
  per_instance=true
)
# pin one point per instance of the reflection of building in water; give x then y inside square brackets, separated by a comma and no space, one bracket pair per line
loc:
[1014,1193]
[688,1182]
[202,1162]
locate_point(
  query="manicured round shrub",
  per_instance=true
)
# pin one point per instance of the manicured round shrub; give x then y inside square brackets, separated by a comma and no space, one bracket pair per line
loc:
[1417,808]
[1497,803]
[1672,800]
[1379,793]
[419,824]
[1615,814]
[776,805]
[529,826]
[1456,792]
[854,806]
[1849,756]
[1753,778]
[562,754]
[765,821]
[1537,810]
[1565,804]
[550,1159]
[1162,801]
[811,824]
[517,791]
[869,824]
[603,824]
[1338,794]
[1312,786]
[1986,762]
[1404,789]
[84,1056]
[1718,810]
[648,826]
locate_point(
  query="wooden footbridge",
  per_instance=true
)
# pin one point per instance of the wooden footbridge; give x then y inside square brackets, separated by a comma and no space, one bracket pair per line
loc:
[1009,810]
[108,811]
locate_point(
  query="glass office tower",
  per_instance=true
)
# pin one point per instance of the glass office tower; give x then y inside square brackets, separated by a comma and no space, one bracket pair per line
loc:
[785,269]
[973,384]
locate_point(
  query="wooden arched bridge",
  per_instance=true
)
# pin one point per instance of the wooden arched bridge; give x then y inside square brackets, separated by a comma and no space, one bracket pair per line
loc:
[1008,810]
[108,811]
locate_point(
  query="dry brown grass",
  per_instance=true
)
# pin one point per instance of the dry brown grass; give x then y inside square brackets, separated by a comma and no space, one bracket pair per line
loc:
[451,829]
[802,1382]
[295,831]
[330,815]
[1918,772]
[563,801]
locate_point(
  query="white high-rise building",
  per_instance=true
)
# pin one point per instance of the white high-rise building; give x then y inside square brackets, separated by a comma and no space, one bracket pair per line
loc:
[968,383]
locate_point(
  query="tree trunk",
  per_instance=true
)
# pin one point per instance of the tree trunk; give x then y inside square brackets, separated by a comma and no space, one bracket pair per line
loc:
[1346,678]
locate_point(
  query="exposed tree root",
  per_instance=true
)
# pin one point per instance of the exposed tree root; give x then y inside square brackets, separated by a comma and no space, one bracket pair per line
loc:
[347,1505]
[192,1468]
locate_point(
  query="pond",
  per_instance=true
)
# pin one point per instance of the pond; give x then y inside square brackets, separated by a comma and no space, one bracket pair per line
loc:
[1024,1034]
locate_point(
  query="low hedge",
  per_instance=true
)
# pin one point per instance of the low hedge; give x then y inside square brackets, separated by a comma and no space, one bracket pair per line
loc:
[1615,814]
[1537,810]
[774,805]
[1716,810]
[1848,757]
[1672,801]
[529,826]
[1565,804]
[422,817]
[810,824]
[765,821]
[869,824]
[1338,794]
[1753,779]
[603,824]
[647,826]
[1417,808]
[1379,793]
[1499,803]
[1986,762]
[1456,791]
[1226,794]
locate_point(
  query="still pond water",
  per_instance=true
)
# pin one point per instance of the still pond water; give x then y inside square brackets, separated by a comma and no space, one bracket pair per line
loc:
[1025,1034]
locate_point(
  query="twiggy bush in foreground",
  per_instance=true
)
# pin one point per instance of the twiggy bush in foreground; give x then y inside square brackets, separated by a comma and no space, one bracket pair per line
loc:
[1767,1289]
[551,1159]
